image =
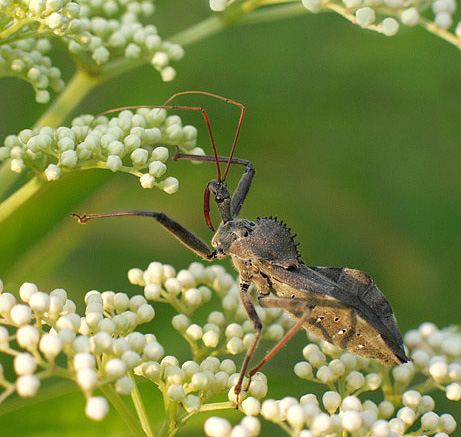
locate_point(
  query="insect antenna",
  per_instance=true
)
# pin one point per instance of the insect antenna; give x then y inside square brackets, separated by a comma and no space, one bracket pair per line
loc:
[206,197]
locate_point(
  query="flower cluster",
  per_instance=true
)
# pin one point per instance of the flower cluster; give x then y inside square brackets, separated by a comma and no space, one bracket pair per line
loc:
[132,142]
[403,410]
[103,351]
[95,32]
[365,13]
[26,59]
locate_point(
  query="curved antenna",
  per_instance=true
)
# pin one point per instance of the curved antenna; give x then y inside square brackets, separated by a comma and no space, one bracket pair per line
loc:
[237,132]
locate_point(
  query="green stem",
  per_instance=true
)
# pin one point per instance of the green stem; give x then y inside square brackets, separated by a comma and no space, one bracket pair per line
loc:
[15,27]
[140,408]
[203,29]
[122,409]
[19,197]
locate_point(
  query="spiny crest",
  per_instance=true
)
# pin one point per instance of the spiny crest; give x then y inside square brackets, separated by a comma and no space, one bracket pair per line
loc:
[287,252]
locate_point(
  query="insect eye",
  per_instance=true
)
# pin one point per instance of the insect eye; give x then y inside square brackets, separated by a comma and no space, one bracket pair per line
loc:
[219,199]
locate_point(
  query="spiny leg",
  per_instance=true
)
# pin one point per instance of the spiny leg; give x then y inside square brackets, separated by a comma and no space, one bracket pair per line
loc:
[297,305]
[247,303]
[186,237]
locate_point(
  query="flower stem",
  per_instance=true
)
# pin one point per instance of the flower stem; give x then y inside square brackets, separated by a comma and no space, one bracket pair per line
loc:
[140,408]
[19,197]
[115,399]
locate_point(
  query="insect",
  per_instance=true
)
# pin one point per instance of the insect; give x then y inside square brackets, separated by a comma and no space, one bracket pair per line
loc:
[340,305]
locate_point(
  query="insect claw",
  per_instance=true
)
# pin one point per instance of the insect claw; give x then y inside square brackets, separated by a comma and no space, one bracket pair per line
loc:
[82,219]
[177,154]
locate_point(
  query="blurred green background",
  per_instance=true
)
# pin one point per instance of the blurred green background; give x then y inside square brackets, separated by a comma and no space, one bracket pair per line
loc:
[355,138]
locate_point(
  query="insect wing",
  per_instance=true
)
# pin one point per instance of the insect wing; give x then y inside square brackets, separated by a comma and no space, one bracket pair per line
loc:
[350,311]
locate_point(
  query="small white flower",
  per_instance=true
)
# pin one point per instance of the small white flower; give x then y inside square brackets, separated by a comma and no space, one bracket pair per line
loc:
[365,16]
[410,17]
[430,421]
[176,392]
[407,415]
[50,345]
[170,185]
[194,332]
[454,391]
[351,403]
[20,314]
[251,406]
[448,423]
[321,424]
[27,290]
[27,337]
[351,421]
[97,408]
[24,364]
[84,360]
[270,410]
[295,416]
[154,351]
[331,401]
[210,339]
[115,368]
[87,379]
[234,345]
[191,403]
[180,322]
[390,26]
[217,427]
[27,386]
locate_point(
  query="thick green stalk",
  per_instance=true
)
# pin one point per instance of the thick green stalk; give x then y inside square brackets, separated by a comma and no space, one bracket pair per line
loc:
[19,197]
[122,409]
[141,409]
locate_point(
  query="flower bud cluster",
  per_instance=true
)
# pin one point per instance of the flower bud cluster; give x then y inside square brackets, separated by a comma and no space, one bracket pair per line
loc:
[100,31]
[102,347]
[437,354]
[226,332]
[384,15]
[26,59]
[117,32]
[132,142]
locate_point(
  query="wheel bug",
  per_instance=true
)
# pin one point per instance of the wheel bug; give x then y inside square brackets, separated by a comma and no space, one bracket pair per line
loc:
[340,305]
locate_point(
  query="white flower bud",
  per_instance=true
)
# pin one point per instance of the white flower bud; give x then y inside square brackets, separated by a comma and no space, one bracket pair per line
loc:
[443,20]
[252,425]
[228,366]
[96,408]
[303,370]
[180,322]
[191,403]
[453,392]
[331,401]
[145,313]
[321,424]
[121,302]
[234,345]
[27,290]
[168,74]
[114,163]
[27,386]
[173,286]
[317,358]
[84,360]
[154,351]
[27,337]
[386,409]
[20,314]
[390,26]
[69,158]
[160,60]
[258,389]
[194,332]
[24,364]
[131,359]
[325,374]
[115,368]
[170,185]
[176,392]
[448,423]
[365,16]
[193,297]
[351,421]
[407,415]
[412,399]
[7,302]
[380,429]
[270,410]
[87,379]
[410,17]
[397,426]
[124,385]
[39,302]
[438,370]
[234,330]
[217,427]
[199,381]
[355,380]
[218,5]
[351,403]
[160,154]
[147,181]
[251,406]
[210,339]
[430,421]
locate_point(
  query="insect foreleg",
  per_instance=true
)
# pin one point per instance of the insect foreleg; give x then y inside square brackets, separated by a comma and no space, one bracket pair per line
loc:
[297,305]
[186,237]
[254,318]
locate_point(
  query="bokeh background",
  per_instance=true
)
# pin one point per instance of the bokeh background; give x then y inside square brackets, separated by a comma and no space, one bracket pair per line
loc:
[355,138]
